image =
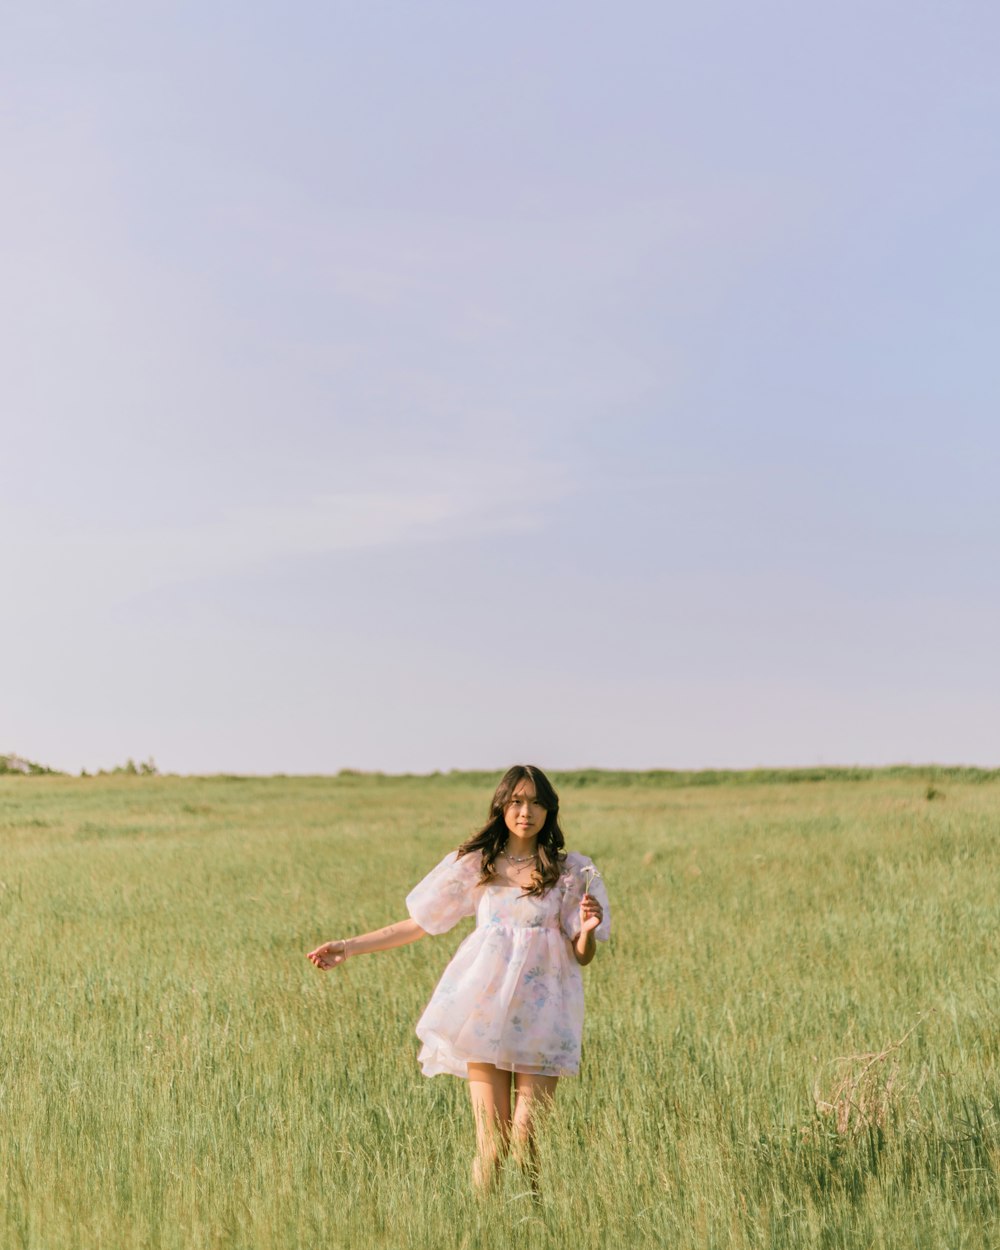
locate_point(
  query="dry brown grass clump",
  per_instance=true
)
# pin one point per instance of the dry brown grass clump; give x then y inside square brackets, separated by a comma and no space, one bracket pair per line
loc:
[867,1093]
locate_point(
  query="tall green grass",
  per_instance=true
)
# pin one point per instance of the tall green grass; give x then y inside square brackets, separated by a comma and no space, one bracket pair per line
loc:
[173,1073]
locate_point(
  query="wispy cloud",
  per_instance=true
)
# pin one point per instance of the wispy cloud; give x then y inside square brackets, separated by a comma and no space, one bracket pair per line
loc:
[114,564]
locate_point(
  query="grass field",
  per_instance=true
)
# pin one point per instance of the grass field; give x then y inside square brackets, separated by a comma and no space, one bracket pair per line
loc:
[173,1072]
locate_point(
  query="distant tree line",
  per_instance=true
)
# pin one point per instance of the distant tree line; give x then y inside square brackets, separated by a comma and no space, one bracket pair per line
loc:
[17,765]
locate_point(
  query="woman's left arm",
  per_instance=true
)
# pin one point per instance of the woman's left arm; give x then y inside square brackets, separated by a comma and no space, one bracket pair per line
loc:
[585,944]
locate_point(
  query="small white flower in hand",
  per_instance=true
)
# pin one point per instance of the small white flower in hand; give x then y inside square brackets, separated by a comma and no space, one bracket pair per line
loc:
[589,872]
[591,911]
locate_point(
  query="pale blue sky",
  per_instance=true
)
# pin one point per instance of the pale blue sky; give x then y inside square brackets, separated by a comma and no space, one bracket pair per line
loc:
[416,386]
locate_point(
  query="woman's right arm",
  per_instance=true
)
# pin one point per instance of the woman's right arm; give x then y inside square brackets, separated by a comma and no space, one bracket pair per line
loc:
[333,954]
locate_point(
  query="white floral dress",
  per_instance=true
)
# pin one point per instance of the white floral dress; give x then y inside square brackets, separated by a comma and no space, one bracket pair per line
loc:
[513,993]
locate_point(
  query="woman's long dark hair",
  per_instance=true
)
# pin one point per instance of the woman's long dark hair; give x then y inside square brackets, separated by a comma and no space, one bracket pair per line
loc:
[492,838]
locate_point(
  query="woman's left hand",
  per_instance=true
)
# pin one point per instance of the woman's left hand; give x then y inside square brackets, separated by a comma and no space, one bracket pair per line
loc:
[591,913]
[329,955]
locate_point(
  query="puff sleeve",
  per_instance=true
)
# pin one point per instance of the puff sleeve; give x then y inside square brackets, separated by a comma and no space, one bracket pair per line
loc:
[445,896]
[574,886]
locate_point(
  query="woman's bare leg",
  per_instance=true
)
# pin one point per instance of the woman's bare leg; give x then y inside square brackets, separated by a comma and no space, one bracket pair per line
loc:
[489,1089]
[532,1095]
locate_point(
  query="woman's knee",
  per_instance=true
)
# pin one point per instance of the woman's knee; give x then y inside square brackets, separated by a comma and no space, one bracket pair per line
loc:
[523,1122]
[489,1091]
[534,1097]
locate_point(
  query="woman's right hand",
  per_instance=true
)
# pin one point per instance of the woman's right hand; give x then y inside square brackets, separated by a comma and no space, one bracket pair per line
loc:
[329,955]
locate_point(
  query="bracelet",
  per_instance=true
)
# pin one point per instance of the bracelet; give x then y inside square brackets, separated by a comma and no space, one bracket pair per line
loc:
[344,942]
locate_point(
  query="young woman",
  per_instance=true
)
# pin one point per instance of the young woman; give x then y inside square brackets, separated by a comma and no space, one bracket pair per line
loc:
[508,1012]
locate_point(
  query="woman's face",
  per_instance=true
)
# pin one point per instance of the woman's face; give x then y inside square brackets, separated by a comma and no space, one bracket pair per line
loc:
[524,816]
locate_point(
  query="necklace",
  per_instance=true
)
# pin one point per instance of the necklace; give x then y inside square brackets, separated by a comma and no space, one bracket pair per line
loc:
[519,859]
